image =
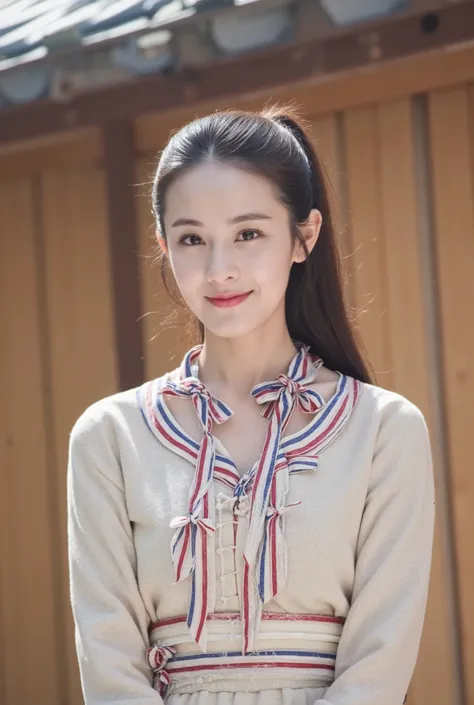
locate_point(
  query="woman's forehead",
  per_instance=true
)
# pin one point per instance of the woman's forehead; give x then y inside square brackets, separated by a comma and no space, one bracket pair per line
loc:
[225,186]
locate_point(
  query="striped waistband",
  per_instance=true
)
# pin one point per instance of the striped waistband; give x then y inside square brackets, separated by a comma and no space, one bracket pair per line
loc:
[299,648]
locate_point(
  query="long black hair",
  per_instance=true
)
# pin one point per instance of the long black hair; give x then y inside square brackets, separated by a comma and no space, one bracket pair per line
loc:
[274,144]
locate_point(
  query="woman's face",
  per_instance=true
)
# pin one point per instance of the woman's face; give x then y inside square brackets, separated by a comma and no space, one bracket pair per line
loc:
[230,248]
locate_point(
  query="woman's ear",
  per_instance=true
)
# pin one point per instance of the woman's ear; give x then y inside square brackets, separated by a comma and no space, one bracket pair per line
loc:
[310,232]
[161,242]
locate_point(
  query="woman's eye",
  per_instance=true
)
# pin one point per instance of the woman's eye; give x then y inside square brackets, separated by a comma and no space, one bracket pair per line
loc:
[190,240]
[249,235]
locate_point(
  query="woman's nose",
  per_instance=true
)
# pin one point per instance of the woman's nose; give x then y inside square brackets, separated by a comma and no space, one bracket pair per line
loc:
[221,265]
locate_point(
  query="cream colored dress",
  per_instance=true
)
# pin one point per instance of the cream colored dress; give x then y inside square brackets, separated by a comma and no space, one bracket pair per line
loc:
[303,582]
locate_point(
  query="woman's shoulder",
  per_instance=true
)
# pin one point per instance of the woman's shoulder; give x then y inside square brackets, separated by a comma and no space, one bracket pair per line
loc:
[118,409]
[376,402]
[389,408]
[379,410]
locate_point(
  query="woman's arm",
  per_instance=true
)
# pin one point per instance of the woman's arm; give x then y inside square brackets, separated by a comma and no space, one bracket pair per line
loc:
[380,640]
[110,617]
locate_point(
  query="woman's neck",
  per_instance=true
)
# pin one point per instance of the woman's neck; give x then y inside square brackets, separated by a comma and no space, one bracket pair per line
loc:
[236,365]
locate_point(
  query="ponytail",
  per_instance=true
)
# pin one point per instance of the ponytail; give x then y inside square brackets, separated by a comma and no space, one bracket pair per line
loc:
[316,312]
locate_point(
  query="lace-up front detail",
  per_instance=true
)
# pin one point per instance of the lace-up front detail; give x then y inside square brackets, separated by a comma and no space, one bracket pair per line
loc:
[227,517]
[259,496]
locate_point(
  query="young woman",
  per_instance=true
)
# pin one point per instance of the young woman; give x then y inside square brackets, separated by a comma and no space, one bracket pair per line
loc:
[254,527]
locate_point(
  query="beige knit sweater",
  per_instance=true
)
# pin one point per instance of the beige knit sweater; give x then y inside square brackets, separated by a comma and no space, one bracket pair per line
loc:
[359,548]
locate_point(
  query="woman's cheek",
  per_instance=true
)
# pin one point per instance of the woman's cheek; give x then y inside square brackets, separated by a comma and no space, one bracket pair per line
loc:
[183,269]
[272,270]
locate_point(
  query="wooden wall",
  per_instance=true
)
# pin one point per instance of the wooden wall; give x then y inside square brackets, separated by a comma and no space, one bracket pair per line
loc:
[402,170]
[57,355]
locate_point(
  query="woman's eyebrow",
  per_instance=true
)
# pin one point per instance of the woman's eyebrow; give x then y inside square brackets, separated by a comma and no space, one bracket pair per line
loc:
[249,216]
[237,219]
[186,221]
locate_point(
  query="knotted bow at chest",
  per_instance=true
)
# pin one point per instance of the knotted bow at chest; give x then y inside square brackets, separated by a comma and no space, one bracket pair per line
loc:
[265,570]
[190,548]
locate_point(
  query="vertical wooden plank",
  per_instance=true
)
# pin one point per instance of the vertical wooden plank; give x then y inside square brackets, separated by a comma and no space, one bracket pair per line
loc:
[415,370]
[369,283]
[28,596]
[165,328]
[451,135]
[401,248]
[328,140]
[3,634]
[83,359]
[119,169]
[3,553]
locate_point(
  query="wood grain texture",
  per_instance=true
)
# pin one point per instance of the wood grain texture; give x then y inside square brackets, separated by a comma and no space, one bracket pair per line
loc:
[83,356]
[451,134]
[411,340]
[60,151]
[29,609]
[329,146]
[119,173]
[369,282]
[433,70]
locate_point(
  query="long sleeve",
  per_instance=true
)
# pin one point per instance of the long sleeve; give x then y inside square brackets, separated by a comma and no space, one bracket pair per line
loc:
[109,614]
[379,645]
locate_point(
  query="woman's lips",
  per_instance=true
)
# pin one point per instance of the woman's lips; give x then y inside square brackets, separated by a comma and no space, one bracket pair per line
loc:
[228,300]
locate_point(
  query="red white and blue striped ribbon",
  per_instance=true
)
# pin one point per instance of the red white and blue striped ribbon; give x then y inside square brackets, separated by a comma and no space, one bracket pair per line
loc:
[191,545]
[305,644]
[158,657]
[267,482]
[265,567]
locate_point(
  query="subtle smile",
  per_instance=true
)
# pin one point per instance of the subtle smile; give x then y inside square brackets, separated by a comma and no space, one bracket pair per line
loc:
[227,300]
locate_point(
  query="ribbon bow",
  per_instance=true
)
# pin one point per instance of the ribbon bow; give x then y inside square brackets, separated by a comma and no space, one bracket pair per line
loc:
[292,391]
[274,550]
[263,574]
[158,657]
[189,547]
[273,513]
[243,485]
[209,409]
[178,522]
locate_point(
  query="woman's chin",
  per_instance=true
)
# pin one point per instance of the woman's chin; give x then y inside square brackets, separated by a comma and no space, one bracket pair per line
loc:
[231,328]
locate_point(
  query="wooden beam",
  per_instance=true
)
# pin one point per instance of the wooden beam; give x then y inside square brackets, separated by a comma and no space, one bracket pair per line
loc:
[119,165]
[365,47]
[319,98]
[59,151]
